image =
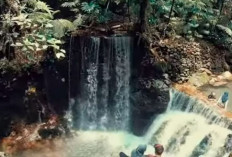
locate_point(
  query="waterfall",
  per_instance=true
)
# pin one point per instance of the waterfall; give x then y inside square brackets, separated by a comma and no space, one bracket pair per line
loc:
[190,128]
[104,83]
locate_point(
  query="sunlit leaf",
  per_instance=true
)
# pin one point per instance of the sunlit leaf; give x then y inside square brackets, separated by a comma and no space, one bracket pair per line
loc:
[60,55]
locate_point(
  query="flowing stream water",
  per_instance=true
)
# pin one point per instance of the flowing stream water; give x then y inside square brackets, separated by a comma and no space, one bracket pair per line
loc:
[188,128]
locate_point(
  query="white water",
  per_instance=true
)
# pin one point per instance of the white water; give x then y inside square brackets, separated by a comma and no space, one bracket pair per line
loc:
[105,76]
[186,123]
[188,128]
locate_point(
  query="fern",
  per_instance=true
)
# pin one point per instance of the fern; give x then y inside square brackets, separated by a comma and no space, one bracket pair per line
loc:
[43,7]
[68,4]
[89,7]
[61,26]
[71,4]
[40,17]
[78,21]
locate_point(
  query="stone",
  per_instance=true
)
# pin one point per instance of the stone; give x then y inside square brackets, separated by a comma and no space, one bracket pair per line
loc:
[208,64]
[221,83]
[3,154]
[220,78]
[48,133]
[165,75]
[212,81]
[205,70]
[227,75]
[167,82]
[199,79]
[182,75]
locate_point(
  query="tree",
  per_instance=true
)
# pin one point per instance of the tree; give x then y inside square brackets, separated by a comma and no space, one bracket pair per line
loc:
[144,15]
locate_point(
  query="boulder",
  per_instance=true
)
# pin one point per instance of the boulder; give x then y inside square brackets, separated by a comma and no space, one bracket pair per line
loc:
[227,75]
[221,79]
[3,154]
[199,79]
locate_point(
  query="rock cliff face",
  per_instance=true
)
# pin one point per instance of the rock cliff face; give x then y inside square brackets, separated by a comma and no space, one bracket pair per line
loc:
[150,89]
[153,72]
[184,58]
[166,62]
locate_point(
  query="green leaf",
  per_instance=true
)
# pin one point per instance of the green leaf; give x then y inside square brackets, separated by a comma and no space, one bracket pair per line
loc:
[18,44]
[31,48]
[89,7]
[78,21]
[194,25]
[49,25]
[43,6]
[62,50]
[61,26]
[60,55]
[45,47]
[54,41]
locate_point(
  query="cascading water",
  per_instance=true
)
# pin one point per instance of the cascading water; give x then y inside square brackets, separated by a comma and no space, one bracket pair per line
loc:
[105,76]
[190,128]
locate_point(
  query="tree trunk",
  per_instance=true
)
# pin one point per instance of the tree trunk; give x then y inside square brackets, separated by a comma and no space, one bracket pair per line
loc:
[143,16]
[170,13]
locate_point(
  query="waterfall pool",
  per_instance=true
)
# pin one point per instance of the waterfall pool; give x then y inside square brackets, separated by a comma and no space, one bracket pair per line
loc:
[188,128]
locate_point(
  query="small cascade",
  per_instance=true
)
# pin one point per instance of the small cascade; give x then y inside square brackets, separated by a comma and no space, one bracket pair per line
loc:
[190,128]
[104,84]
[182,102]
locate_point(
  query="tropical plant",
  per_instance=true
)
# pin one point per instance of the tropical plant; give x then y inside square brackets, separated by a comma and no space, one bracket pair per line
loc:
[33,30]
[186,17]
[89,12]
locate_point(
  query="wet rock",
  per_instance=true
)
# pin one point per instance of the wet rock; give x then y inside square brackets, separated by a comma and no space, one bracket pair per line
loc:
[52,129]
[228,143]
[49,133]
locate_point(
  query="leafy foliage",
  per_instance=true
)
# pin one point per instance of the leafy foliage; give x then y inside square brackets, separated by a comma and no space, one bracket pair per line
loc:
[71,4]
[88,12]
[32,31]
[189,18]
[32,28]
[60,26]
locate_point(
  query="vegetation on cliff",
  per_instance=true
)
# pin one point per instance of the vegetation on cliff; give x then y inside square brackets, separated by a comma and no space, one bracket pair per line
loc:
[29,27]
